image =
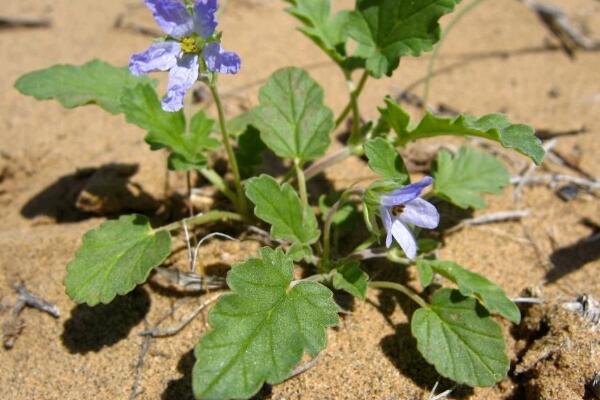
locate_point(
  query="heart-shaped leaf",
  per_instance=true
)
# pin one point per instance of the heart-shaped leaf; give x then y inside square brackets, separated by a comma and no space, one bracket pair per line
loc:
[463,179]
[114,258]
[460,339]
[292,119]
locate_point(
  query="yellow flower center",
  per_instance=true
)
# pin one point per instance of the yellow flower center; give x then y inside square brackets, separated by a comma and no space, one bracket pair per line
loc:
[189,45]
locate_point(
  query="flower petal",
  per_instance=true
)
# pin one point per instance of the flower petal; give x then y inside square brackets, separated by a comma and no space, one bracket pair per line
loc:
[405,239]
[386,217]
[181,78]
[172,16]
[219,60]
[405,194]
[158,57]
[420,213]
[205,17]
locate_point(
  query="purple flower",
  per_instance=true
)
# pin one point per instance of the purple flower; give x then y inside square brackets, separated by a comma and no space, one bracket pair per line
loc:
[404,206]
[190,38]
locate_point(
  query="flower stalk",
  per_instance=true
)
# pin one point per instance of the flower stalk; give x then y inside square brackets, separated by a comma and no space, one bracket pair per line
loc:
[242,204]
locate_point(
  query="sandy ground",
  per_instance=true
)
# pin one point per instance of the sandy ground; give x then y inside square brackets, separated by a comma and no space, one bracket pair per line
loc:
[497,59]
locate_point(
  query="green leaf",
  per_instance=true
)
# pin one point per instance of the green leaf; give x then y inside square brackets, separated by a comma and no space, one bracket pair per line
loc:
[385,160]
[389,29]
[469,283]
[393,116]
[96,82]
[114,258]
[249,151]
[281,207]
[326,31]
[462,179]
[494,127]
[261,330]
[194,144]
[350,278]
[425,273]
[167,129]
[292,119]
[460,339]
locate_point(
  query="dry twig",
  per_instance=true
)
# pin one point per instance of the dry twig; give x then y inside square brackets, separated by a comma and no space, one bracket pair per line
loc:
[501,216]
[24,22]
[139,365]
[556,21]
[11,329]
[157,332]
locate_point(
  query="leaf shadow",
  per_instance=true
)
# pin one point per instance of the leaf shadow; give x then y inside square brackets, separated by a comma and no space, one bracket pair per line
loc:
[88,192]
[181,389]
[570,258]
[401,349]
[92,328]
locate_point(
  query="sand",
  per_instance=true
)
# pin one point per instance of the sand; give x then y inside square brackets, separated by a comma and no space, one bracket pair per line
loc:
[497,59]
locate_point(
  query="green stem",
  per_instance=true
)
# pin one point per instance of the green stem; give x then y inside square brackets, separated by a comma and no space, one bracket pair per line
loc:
[201,219]
[355,137]
[400,288]
[354,94]
[329,220]
[214,178]
[301,182]
[455,19]
[241,203]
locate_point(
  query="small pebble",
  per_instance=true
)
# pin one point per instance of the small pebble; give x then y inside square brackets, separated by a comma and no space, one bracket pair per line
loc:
[568,192]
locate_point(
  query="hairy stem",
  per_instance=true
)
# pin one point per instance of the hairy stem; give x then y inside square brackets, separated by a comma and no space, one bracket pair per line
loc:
[326,162]
[400,288]
[455,19]
[242,204]
[214,178]
[301,182]
[353,96]
[200,219]
[329,220]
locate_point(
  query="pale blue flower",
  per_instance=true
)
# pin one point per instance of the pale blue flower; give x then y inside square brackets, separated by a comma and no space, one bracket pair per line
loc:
[402,207]
[190,39]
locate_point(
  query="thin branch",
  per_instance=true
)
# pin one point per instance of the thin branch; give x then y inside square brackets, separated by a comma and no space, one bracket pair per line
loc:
[192,281]
[173,330]
[443,395]
[552,179]
[326,162]
[24,22]
[528,300]
[139,365]
[556,21]
[36,302]
[501,216]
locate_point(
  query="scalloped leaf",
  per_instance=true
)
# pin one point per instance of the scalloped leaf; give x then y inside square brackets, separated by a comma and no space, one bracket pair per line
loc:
[386,30]
[260,331]
[326,31]
[114,258]
[96,82]
[167,129]
[351,278]
[471,284]
[292,118]
[460,339]
[463,179]
[494,127]
[385,160]
[281,207]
